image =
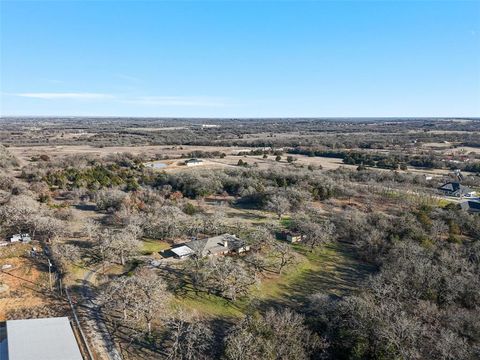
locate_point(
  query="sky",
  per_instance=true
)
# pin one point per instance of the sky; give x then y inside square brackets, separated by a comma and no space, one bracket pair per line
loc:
[240,59]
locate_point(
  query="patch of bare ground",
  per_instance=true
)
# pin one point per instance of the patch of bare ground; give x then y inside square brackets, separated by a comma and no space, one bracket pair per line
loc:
[26,283]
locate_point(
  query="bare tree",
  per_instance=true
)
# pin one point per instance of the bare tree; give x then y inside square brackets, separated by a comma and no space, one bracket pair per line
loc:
[117,245]
[140,298]
[278,204]
[189,338]
[110,199]
[125,243]
[278,335]
[317,233]
[283,255]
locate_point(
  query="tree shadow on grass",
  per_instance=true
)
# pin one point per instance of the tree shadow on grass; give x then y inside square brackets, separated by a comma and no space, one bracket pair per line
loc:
[86,207]
[339,274]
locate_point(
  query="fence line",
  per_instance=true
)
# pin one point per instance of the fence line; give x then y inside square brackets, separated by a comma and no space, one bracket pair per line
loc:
[82,335]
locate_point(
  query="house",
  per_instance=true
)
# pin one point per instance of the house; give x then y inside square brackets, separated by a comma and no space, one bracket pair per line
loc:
[217,245]
[193,162]
[456,189]
[20,237]
[39,339]
[292,237]
[471,206]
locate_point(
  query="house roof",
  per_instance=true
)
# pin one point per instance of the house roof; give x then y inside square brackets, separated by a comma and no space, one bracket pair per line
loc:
[454,186]
[215,245]
[182,251]
[470,205]
[41,339]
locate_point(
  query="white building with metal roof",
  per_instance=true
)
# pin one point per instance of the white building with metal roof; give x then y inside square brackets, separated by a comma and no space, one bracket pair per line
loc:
[41,339]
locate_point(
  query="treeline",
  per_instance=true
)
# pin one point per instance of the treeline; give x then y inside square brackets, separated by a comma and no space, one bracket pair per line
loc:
[424,301]
[390,161]
[334,134]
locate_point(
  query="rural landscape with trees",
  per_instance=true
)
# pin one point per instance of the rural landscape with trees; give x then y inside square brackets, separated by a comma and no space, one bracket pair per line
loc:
[296,242]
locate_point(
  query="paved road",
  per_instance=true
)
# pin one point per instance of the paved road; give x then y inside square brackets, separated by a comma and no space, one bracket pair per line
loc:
[101,337]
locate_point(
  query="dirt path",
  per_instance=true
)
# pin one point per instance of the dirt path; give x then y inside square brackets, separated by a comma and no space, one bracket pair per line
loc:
[95,321]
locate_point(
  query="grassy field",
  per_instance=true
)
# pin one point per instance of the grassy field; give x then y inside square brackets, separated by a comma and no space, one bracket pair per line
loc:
[332,270]
[150,246]
[209,305]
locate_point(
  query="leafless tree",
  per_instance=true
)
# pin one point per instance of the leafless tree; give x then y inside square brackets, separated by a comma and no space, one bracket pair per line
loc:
[278,204]
[316,233]
[190,338]
[214,224]
[118,246]
[278,335]
[64,255]
[141,298]
[110,199]
[283,255]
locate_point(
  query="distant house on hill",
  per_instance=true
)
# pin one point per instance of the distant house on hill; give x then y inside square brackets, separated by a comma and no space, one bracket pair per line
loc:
[193,162]
[471,206]
[456,189]
[217,245]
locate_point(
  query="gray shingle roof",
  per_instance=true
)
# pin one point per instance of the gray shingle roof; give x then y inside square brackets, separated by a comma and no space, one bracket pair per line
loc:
[455,186]
[215,245]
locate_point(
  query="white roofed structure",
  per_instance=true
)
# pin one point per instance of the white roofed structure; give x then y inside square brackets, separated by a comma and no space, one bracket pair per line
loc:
[41,339]
[182,251]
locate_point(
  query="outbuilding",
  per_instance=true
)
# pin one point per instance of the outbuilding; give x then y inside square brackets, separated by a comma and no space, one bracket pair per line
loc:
[193,162]
[40,339]
[21,237]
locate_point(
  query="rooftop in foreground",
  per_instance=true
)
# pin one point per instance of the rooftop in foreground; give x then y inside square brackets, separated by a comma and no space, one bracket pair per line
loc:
[41,339]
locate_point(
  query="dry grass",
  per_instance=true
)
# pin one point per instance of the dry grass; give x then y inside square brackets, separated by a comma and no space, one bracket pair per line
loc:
[25,283]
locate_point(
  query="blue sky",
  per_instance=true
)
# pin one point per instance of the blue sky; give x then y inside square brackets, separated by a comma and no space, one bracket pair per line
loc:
[240,59]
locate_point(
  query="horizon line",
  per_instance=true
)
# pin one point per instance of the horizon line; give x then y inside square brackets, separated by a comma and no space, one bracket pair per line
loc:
[239,117]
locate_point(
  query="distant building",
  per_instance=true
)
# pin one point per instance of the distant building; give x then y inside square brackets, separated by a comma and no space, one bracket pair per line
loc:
[217,245]
[471,206]
[39,339]
[20,237]
[193,162]
[293,237]
[456,189]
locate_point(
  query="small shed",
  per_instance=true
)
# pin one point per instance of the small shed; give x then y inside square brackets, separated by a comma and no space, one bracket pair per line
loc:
[293,237]
[193,162]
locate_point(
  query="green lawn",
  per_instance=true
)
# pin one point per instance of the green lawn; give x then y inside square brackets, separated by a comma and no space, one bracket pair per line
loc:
[281,286]
[150,246]
[209,305]
[332,270]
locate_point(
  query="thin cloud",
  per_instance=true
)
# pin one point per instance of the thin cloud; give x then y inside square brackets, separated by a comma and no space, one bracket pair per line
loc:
[128,78]
[67,96]
[159,101]
[200,101]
